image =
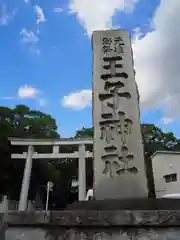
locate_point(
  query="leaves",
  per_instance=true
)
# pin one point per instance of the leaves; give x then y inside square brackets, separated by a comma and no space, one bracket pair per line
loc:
[84,133]
[24,123]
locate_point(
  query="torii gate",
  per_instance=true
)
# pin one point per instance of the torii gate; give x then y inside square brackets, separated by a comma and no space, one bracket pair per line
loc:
[81,155]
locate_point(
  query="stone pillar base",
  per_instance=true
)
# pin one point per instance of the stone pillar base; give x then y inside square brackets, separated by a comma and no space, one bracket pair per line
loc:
[95,225]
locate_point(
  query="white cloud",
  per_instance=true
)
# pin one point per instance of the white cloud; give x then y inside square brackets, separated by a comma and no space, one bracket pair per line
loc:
[40,17]
[157,61]
[27,92]
[97,14]
[166,120]
[31,38]
[58,10]
[78,100]
[26,1]
[5,16]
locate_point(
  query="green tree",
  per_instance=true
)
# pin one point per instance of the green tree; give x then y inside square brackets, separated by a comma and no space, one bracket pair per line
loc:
[84,133]
[24,123]
[31,123]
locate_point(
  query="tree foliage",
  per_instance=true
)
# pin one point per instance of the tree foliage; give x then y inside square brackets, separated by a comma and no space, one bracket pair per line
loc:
[24,123]
[84,133]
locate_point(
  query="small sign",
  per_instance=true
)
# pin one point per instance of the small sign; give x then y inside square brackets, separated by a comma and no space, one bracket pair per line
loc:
[50,186]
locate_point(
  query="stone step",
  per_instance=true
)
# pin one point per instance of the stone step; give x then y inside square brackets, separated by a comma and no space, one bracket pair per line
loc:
[129,204]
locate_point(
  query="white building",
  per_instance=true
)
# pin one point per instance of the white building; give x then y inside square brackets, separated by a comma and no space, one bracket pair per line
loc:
[166,171]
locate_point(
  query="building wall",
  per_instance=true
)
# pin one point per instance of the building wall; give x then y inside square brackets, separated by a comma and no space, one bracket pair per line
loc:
[164,164]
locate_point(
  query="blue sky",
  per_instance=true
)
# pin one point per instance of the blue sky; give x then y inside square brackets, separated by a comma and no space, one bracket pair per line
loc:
[45,56]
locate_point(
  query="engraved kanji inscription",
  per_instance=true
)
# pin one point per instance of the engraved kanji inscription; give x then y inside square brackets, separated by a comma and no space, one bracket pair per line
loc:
[114,82]
[117,162]
[115,125]
[112,44]
[112,100]
[112,127]
[108,129]
[112,164]
[125,127]
[118,45]
[125,158]
[112,68]
[107,44]
[114,87]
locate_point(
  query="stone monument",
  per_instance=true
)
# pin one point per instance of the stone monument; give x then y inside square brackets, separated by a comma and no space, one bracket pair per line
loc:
[119,169]
[118,166]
